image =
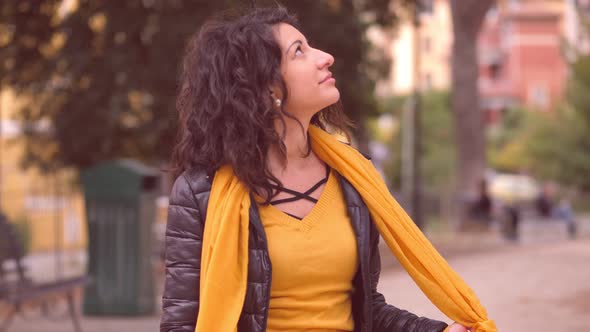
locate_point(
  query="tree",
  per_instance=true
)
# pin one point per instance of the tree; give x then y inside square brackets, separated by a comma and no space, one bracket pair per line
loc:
[438,146]
[104,82]
[559,149]
[103,75]
[559,145]
[467,16]
[506,148]
[553,146]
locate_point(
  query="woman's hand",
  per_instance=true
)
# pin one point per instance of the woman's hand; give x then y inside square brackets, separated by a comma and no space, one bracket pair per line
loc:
[456,327]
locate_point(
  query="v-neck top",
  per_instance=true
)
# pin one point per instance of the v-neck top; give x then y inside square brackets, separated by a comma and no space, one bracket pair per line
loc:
[314,261]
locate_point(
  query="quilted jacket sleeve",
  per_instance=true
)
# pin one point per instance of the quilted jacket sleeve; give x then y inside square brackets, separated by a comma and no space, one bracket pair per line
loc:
[184,233]
[387,318]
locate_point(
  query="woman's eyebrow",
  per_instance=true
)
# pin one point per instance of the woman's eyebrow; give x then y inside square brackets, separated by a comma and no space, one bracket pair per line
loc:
[295,42]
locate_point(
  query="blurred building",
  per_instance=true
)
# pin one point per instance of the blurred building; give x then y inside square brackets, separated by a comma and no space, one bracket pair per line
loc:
[575,12]
[522,50]
[49,204]
[521,56]
[435,50]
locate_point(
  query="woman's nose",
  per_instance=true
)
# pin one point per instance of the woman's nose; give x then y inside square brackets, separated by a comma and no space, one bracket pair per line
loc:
[326,60]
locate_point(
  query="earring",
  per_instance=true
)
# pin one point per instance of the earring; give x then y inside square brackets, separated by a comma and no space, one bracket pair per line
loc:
[278,102]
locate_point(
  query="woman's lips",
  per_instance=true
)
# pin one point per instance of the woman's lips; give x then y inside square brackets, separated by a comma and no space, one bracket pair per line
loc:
[328,78]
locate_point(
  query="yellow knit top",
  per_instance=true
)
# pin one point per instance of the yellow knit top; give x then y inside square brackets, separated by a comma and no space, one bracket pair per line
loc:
[313,263]
[224,259]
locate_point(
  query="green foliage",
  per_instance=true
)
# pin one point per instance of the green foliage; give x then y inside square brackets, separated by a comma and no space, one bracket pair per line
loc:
[578,89]
[559,148]
[559,144]
[437,135]
[22,226]
[553,146]
[438,139]
[507,142]
[104,76]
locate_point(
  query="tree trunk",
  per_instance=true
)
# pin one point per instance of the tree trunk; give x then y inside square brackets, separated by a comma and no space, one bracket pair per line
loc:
[467,16]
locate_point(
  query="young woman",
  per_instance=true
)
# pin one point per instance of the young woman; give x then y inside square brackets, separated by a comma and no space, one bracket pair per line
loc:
[263,234]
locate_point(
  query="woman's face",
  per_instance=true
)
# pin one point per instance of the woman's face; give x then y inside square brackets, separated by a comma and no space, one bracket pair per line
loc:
[304,70]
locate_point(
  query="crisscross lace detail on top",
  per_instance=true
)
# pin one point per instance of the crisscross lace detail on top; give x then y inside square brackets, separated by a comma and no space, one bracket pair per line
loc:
[300,195]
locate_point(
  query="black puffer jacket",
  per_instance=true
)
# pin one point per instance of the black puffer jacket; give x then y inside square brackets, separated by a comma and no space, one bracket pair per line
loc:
[186,216]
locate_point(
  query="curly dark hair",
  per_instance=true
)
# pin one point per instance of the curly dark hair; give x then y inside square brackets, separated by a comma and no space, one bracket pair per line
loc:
[226,112]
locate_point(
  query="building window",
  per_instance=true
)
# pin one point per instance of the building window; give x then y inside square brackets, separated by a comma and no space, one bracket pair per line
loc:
[44,203]
[493,11]
[514,4]
[426,6]
[426,44]
[494,70]
[427,81]
[538,97]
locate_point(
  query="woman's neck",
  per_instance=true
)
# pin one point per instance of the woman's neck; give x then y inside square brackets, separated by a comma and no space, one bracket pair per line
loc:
[296,144]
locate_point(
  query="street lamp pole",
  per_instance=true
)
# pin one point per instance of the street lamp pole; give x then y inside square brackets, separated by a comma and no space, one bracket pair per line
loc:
[1,144]
[416,196]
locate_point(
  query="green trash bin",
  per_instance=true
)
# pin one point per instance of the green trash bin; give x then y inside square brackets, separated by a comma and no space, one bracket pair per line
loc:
[120,210]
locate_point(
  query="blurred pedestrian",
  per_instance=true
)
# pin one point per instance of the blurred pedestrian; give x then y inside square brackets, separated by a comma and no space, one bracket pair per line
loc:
[512,213]
[563,210]
[481,210]
[544,201]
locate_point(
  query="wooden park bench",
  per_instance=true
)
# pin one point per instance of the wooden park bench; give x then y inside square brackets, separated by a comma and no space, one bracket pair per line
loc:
[18,291]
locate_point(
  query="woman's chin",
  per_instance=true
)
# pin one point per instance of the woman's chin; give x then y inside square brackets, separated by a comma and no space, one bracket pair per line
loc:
[333,99]
[326,101]
[326,105]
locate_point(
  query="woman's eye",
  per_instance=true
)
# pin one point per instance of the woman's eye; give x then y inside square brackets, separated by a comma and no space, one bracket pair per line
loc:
[298,49]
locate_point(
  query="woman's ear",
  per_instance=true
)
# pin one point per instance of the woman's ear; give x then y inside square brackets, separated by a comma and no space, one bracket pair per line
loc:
[276,96]
[275,93]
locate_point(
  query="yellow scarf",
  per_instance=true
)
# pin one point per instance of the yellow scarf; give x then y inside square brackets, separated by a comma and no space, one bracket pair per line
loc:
[224,261]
